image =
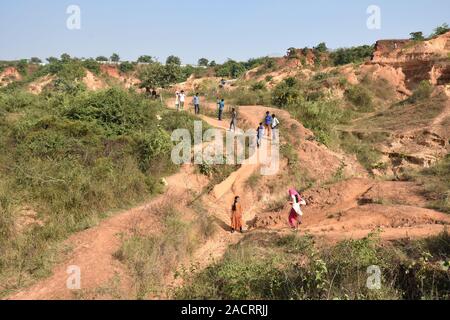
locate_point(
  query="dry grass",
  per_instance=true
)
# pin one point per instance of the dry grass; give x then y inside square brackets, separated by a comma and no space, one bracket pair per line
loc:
[152,258]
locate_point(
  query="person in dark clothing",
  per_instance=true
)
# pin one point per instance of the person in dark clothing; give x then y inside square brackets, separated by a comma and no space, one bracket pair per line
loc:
[233,119]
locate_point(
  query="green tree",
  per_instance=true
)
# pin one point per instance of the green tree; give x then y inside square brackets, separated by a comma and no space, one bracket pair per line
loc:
[230,69]
[115,57]
[92,65]
[65,58]
[126,66]
[203,62]
[351,55]
[101,59]
[440,30]
[35,60]
[173,60]
[152,76]
[213,63]
[52,60]
[71,71]
[22,66]
[173,73]
[417,36]
[145,59]
[321,47]
[292,53]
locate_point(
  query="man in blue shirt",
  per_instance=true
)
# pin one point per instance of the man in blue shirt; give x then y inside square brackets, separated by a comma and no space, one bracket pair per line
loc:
[221,107]
[268,123]
[196,102]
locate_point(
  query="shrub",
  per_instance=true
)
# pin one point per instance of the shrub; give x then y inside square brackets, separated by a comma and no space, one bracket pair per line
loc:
[71,71]
[422,92]
[360,97]
[292,267]
[365,152]
[351,55]
[440,30]
[231,69]
[286,93]
[92,66]
[126,67]
[257,86]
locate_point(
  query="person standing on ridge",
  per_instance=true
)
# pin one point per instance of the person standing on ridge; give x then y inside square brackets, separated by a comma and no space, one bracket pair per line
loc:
[275,128]
[182,100]
[268,123]
[221,108]
[233,119]
[177,100]
[196,101]
[236,215]
[259,134]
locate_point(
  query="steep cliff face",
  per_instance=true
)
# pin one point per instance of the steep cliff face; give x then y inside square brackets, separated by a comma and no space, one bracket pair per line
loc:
[416,60]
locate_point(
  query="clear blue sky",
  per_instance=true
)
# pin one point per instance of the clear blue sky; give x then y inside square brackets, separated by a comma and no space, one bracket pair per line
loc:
[191,29]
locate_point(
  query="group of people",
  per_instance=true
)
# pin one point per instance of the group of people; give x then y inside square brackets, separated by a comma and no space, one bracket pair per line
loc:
[294,218]
[180,99]
[270,126]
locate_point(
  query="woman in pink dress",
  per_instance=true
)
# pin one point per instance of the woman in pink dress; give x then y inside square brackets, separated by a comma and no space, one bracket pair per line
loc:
[295,215]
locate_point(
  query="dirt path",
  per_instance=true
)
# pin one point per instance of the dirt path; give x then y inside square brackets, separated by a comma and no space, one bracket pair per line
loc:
[93,250]
[354,208]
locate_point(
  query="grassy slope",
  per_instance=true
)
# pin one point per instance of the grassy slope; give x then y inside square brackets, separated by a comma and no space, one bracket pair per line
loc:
[68,159]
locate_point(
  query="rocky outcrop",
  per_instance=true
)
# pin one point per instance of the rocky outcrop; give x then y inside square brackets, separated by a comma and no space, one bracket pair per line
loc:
[416,60]
[10,74]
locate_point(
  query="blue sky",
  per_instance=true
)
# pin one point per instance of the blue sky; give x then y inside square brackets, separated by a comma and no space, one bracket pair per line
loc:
[191,29]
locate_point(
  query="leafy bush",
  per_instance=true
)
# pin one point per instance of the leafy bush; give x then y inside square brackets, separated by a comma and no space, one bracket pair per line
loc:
[292,267]
[351,55]
[257,86]
[92,66]
[126,67]
[440,30]
[285,93]
[436,181]
[360,97]
[231,69]
[422,92]
[365,152]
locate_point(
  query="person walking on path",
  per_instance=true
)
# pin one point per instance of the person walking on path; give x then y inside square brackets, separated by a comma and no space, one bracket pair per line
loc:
[196,101]
[268,123]
[259,134]
[275,128]
[221,108]
[295,215]
[177,100]
[236,215]
[233,119]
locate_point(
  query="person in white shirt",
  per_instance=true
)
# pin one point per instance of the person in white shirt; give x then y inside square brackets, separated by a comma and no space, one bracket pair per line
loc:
[182,99]
[177,100]
[275,128]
